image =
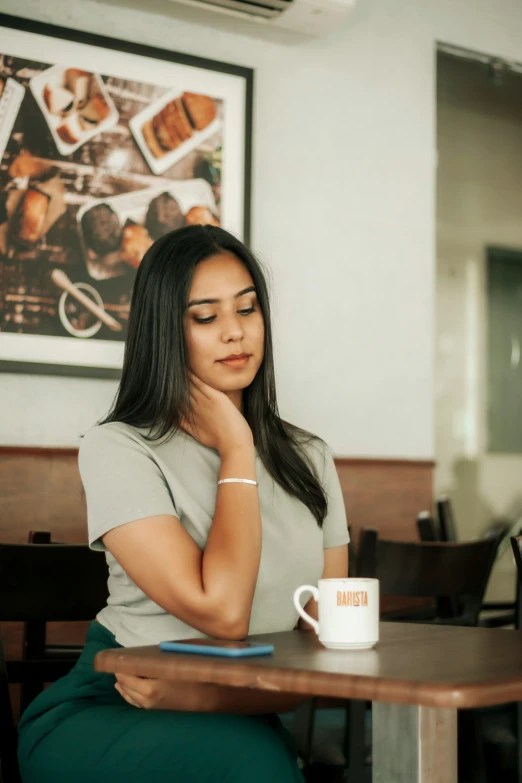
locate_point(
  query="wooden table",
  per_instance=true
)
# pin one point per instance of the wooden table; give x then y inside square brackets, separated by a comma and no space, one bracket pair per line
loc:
[417,677]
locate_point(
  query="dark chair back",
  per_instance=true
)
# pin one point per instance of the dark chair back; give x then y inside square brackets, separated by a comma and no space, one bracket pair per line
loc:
[516,545]
[456,575]
[35,645]
[64,582]
[427,527]
[43,583]
[39,537]
[8,740]
[448,529]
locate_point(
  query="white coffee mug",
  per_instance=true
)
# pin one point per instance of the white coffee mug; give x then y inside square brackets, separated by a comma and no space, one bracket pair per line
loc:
[348,612]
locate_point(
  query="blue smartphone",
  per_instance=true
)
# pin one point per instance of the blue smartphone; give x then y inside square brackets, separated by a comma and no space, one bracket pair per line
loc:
[220,647]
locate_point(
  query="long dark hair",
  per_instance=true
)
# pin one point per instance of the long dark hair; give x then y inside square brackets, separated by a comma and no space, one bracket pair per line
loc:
[154,387]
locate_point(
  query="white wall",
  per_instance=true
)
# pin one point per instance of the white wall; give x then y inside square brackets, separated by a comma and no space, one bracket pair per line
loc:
[343,213]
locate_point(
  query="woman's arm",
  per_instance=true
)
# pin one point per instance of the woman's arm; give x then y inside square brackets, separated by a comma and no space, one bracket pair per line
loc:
[202,697]
[213,590]
[256,701]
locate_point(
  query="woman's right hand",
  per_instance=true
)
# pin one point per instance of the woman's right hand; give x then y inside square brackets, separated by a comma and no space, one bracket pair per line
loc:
[214,420]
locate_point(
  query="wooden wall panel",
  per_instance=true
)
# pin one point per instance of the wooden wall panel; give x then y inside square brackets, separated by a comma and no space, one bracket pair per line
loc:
[40,489]
[386,494]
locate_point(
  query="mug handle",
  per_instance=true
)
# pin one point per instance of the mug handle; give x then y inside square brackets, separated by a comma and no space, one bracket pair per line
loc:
[301,611]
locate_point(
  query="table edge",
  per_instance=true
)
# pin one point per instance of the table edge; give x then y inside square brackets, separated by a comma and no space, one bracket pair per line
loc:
[450,695]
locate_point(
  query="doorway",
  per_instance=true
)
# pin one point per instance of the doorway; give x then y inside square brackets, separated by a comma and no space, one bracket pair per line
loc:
[478,370]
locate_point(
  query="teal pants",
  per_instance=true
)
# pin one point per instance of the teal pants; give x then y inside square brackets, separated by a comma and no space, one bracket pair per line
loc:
[80,729]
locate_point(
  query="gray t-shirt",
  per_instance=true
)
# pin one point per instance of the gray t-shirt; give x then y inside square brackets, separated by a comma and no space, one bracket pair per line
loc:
[127,477]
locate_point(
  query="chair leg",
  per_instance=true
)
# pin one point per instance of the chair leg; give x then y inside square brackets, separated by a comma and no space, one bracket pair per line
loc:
[471,762]
[33,649]
[310,725]
[9,772]
[354,743]
[518,733]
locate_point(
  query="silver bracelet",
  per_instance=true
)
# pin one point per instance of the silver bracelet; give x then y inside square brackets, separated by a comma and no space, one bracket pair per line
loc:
[237,481]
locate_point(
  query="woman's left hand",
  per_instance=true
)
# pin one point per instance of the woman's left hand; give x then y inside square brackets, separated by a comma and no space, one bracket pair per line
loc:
[201,697]
[151,694]
[143,692]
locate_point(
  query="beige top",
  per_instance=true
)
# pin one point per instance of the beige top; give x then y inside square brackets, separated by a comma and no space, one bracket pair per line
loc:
[127,477]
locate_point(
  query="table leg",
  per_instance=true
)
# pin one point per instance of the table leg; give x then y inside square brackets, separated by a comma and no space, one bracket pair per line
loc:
[413,744]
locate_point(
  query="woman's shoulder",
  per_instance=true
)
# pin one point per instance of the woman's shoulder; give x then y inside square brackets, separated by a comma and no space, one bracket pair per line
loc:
[114,438]
[120,437]
[110,432]
[105,442]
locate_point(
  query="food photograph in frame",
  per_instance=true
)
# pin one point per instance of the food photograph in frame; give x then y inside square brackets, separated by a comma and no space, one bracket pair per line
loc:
[105,146]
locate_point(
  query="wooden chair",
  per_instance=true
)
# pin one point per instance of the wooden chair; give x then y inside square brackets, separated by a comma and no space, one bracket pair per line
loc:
[516,545]
[34,644]
[507,610]
[430,530]
[435,570]
[15,672]
[447,526]
[427,527]
[38,584]
[8,740]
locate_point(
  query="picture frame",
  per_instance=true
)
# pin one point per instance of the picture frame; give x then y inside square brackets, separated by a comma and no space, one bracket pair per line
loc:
[105,145]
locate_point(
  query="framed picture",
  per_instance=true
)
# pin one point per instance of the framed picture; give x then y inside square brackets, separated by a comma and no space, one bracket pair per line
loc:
[105,146]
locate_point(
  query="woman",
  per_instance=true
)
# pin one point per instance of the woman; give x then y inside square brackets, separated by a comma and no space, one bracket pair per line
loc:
[190,556]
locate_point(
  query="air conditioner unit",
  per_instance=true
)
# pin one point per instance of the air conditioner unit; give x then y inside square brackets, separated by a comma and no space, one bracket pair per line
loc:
[304,17]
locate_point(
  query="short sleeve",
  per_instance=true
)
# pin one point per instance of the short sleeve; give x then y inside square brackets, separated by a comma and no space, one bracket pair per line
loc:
[122,481]
[335,526]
